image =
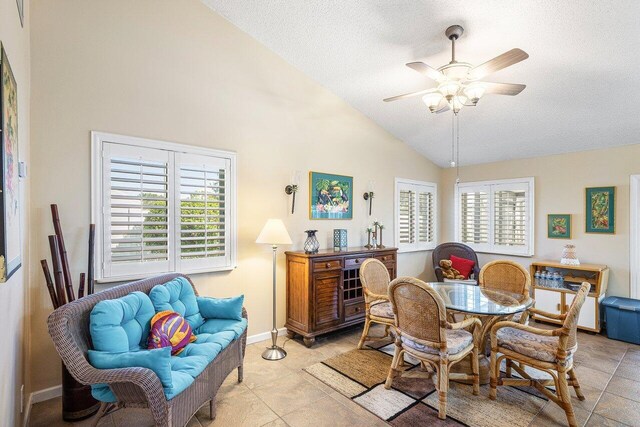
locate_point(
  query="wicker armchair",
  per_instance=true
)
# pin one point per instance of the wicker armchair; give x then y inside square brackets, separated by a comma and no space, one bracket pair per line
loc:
[422,330]
[375,279]
[445,250]
[550,351]
[138,387]
[508,276]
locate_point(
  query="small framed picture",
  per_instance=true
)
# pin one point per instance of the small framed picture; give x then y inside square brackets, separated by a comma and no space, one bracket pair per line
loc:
[330,196]
[559,226]
[600,210]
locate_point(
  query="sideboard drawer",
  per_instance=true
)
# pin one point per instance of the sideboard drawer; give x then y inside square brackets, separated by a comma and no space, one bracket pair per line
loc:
[353,311]
[327,264]
[387,258]
[355,262]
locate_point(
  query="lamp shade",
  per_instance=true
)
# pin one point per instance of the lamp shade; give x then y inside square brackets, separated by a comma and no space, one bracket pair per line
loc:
[274,233]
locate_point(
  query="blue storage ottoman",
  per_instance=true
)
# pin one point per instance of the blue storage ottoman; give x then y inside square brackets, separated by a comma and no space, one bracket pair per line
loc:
[622,318]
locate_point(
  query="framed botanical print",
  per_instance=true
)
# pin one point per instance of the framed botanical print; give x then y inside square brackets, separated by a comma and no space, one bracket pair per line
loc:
[559,226]
[10,227]
[330,196]
[600,210]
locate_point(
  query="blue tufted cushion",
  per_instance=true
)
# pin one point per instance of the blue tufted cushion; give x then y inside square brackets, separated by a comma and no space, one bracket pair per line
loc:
[212,326]
[177,295]
[158,360]
[221,308]
[121,324]
[192,365]
[180,381]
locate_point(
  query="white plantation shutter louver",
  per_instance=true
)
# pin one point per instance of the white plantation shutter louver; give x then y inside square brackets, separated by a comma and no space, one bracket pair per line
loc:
[496,216]
[161,207]
[415,215]
[202,210]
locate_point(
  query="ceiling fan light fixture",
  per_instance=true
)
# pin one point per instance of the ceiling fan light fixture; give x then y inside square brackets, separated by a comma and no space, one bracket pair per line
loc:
[474,92]
[449,88]
[457,102]
[432,100]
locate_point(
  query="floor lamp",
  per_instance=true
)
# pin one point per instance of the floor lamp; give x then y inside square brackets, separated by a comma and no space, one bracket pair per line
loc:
[274,233]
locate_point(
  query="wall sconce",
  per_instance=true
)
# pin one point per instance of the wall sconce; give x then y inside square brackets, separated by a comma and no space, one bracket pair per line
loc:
[292,189]
[369,195]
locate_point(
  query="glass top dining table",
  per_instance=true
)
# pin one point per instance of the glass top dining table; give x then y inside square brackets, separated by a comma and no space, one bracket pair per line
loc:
[473,299]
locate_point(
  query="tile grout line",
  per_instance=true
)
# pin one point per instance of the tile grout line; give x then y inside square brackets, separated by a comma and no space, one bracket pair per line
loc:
[593,411]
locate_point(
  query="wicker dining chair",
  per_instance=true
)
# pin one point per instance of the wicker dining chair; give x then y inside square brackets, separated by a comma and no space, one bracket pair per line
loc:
[550,351]
[375,279]
[422,331]
[507,276]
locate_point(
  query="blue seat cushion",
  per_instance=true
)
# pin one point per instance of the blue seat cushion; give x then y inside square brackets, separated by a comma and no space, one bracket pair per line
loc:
[213,326]
[180,381]
[192,364]
[177,295]
[158,360]
[209,350]
[221,308]
[121,324]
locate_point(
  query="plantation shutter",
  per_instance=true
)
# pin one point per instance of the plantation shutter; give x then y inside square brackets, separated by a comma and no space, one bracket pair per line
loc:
[202,211]
[495,216]
[474,216]
[511,220]
[415,215]
[137,230]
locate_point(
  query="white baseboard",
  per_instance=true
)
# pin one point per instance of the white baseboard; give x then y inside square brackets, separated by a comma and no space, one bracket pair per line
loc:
[264,336]
[55,391]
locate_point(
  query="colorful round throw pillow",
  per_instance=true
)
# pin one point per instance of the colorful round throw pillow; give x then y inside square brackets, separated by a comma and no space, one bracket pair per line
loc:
[169,329]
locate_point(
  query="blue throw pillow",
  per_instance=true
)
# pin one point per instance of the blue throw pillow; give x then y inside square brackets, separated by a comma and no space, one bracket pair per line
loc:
[158,360]
[221,308]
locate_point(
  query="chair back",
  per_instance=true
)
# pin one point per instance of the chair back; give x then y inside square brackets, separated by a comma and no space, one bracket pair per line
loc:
[445,250]
[570,325]
[375,279]
[420,312]
[506,276]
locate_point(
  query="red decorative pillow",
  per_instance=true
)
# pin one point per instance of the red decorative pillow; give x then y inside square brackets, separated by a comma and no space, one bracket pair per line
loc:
[463,265]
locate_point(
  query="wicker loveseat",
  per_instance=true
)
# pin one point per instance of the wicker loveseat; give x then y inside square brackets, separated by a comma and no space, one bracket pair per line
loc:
[139,387]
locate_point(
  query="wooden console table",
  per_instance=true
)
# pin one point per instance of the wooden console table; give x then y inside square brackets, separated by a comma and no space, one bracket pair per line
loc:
[324,292]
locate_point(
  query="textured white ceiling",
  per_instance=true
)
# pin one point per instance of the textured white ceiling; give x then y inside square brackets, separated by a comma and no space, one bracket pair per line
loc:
[582,74]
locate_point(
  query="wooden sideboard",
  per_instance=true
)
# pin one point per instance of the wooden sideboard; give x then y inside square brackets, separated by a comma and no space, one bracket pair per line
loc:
[324,292]
[557,300]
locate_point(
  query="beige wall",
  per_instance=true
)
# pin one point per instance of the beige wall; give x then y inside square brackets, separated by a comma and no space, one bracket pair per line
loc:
[560,183]
[176,71]
[13,293]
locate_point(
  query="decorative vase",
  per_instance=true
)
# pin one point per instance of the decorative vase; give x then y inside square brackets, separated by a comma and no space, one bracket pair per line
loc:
[569,256]
[339,239]
[311,245]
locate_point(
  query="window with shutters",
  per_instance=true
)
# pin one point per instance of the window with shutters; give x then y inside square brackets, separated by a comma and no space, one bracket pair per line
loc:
[161,207]
[496,216]
[415,215]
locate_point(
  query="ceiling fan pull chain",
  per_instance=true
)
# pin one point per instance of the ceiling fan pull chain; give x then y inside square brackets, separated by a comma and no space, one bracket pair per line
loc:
[457,149]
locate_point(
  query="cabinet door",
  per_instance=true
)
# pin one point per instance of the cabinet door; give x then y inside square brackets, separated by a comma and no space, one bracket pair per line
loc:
[587,317]
[548,301]
[327,294]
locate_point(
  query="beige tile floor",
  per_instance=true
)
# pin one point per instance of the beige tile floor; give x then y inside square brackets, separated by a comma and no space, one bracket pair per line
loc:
[280,393]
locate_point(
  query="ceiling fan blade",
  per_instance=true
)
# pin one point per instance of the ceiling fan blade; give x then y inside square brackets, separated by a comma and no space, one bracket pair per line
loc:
[408,95]
[428,71]
[498,63]
[511,89]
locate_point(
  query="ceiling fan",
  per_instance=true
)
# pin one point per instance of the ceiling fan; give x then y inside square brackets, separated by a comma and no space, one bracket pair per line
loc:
[458,83]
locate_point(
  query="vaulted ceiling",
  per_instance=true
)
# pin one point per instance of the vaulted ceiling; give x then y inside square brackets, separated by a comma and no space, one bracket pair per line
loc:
[582,74]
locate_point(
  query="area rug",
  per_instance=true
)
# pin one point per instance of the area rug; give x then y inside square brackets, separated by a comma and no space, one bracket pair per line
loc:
[413,400]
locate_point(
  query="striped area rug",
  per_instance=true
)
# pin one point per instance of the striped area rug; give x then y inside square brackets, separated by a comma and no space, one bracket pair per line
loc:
[413,400]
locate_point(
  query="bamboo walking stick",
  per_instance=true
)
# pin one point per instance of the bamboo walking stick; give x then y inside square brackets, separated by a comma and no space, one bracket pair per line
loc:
[81,286]
[63,253]
[57,269]
[47,278]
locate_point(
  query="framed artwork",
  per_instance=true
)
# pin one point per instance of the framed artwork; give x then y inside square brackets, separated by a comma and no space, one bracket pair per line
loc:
[10,244]
[600,210]
[330,196]
[559,226]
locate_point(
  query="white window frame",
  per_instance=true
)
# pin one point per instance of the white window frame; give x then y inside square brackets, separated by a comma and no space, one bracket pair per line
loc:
[490,186]
[417,246]
[634,264]
[98,140]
